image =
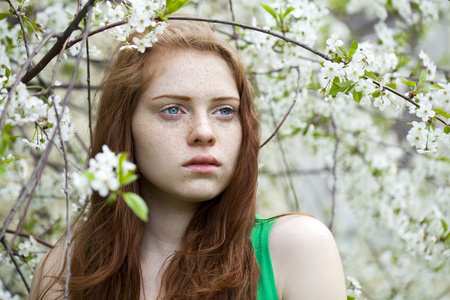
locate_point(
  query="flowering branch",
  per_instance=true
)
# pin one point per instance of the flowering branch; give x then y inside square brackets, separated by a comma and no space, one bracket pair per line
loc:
[254,28]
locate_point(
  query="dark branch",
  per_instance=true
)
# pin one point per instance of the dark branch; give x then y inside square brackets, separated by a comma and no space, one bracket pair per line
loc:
[59,45]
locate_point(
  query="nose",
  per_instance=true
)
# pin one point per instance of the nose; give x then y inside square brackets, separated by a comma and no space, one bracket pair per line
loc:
[201,132]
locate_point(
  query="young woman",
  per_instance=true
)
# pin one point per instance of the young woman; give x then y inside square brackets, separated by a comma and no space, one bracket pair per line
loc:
[184,110]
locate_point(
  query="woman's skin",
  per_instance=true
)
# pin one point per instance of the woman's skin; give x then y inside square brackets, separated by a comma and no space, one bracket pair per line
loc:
[187,135]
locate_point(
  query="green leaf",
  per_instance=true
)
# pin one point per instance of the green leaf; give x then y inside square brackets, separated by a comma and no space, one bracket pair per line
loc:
[392,85]
[432,87]
[350,298]
[270,10]
[343,51]
[357,96]
[4,142]
[288,11]
[70,15]
[353,48]
[370,75]
[447,130]
[444,225]
[122,158]
[442,112]
[3,16]
[423,77]
[408,83]
[129,179]
[415,71]
[376,94]
[345,83]
[446,237]
[137,205]
[7,128]
[111,199]
[335,88]
[89,175]
[175,5]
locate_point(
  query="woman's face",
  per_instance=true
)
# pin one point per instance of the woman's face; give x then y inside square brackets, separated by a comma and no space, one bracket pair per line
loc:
[186,127]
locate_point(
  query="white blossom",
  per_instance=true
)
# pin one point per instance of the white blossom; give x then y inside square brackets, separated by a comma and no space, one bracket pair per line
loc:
[334,42]
[417,136]
[332,70]
[28,247]
[425,111]
[365,86]
[142,44]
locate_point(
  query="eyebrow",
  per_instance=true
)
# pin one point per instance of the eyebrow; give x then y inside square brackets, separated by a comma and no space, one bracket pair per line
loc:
[186,98]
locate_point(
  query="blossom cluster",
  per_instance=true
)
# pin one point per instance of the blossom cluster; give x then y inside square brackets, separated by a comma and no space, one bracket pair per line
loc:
[347,79]
[105,173]
[25,108]
[28,247]
[141,18]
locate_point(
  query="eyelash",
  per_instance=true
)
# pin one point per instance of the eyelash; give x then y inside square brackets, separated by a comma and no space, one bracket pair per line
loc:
[231,111]
[166,110]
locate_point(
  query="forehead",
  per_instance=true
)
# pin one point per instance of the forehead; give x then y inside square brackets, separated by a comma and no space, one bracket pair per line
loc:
[190,71]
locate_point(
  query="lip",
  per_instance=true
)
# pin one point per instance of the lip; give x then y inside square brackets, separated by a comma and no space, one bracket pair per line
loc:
[202,164]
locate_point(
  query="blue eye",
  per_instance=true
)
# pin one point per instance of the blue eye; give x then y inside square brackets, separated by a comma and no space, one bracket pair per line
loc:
[172,110]
[226,111]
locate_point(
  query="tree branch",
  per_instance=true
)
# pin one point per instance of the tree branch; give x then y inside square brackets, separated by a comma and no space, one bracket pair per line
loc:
[23,234]
[16,265]
[59,45]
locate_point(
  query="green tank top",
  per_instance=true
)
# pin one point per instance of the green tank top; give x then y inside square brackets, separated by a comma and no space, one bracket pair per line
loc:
[260,239]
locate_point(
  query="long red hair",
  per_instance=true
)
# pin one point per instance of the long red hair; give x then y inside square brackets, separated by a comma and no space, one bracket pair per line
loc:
[216,259]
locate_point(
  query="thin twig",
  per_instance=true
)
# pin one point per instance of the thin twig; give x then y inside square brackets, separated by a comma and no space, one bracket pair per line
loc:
[287,113]
[25,38]
[93,32]
[66,188]
[333,172]
[16,265]
[88,81]
[39,240]
[230,2]
[68,236]
[286,165]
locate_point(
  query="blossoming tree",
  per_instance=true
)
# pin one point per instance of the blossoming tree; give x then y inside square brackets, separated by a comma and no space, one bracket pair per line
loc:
[354,113]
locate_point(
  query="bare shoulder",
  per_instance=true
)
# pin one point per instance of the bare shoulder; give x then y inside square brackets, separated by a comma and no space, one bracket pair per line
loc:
[305,259]
[49,267]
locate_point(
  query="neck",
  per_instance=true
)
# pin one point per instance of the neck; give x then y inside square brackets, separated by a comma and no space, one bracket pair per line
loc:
[166,225]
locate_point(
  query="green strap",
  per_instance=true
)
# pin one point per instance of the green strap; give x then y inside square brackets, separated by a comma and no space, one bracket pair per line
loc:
[260,239]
